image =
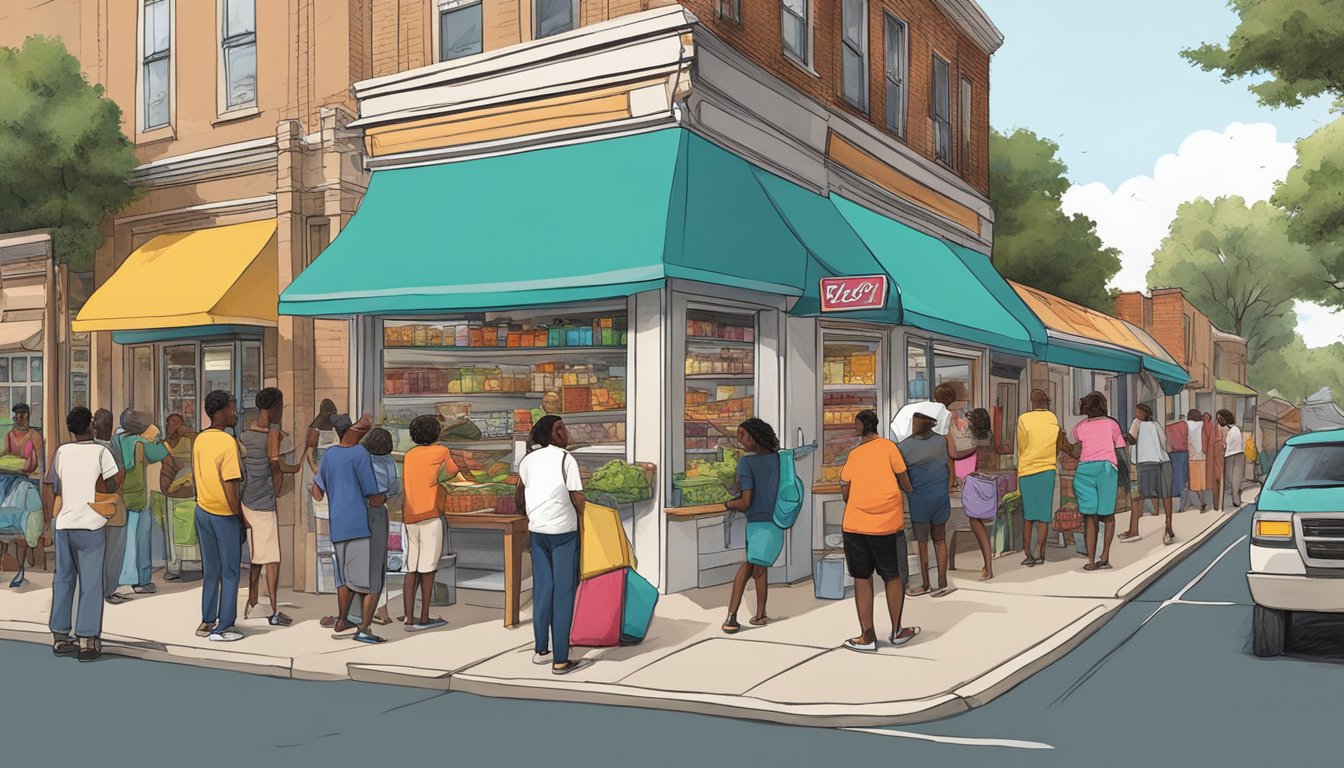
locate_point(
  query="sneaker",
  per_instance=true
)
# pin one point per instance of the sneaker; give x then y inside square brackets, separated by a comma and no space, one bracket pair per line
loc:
[227,636]
[861,647]
[144,589]
[280,620]
[541,659]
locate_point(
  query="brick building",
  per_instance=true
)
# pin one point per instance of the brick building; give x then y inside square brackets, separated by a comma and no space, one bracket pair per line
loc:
[245,122]
[1215,359]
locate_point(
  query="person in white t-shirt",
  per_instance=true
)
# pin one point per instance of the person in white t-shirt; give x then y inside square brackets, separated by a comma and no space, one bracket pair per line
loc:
[944,395]
[78,471]
[551,491]
[1234,457]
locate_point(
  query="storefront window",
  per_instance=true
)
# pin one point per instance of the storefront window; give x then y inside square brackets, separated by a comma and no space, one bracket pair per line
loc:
[850,381]
[917,370]
[142,379]
[21,382]
[720,375]
[180,374]
[251,377]
[960,372]
[490,376]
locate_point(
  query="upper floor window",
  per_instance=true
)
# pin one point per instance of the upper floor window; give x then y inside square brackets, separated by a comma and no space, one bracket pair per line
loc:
[795,27]
[157,62]
[896,65]
[941,110]
[854,51]
[1188,330]
[552,17]
[239,45]
[965,108]
[459,28]
[731,9]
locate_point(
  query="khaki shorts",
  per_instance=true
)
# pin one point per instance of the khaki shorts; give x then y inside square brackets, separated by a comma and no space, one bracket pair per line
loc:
[264,540]
[424,546]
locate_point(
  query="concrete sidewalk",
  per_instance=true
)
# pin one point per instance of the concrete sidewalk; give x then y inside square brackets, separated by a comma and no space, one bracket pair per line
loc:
[976,643]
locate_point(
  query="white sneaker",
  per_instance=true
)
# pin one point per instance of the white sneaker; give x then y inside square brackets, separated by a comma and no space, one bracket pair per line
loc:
[227,636]
[541,659]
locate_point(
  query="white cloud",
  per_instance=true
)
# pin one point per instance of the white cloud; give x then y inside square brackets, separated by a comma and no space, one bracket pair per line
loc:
[1319,325]
[1245,160]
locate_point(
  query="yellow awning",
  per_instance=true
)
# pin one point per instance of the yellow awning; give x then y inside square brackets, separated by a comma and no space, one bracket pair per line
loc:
[217,276]
[1066,317]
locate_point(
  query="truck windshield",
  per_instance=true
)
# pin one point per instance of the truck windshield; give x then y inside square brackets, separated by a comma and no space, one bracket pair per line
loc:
[1312,466]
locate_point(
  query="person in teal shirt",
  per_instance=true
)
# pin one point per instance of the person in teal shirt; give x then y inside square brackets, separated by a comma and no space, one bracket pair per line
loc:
[138,564]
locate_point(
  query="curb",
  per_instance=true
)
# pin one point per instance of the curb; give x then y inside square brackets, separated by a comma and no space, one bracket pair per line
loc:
[970,695]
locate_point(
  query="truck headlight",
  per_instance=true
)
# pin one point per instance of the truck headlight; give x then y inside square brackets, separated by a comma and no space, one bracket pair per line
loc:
[1272,529]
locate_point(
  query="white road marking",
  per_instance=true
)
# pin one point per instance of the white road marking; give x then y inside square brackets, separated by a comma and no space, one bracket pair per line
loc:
[1179,599]
[1009,743]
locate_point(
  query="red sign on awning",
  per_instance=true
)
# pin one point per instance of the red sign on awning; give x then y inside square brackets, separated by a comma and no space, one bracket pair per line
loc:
[848,294]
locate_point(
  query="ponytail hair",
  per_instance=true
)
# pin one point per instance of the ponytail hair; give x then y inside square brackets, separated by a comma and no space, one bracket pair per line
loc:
[762,433]
[540,436]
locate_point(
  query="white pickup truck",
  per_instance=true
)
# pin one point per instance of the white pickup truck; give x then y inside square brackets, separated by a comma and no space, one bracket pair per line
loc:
[1297,538]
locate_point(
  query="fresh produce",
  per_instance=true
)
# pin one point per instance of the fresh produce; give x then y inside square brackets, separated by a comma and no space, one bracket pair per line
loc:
[725,470]
[697,489]
[621,482]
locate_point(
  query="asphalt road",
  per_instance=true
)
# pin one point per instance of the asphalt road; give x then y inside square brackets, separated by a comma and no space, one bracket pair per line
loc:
[1169,681]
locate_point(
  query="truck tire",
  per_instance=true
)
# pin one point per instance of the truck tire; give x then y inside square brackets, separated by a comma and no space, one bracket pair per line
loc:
[1269,631]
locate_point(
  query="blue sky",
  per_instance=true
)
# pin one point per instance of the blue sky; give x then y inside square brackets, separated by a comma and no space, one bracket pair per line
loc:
[1106,81]
[1142,130]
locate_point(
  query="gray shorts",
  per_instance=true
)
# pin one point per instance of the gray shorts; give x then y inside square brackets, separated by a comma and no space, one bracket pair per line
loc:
[1154,480]
[352,560]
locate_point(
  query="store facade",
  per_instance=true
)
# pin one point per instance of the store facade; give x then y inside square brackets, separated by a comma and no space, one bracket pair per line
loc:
[654,276]
[31,334]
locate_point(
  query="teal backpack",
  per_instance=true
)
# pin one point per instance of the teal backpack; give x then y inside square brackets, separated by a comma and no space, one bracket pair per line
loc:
[789,500]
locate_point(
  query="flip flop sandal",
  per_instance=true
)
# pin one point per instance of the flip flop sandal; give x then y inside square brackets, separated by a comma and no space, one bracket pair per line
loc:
[65,648]
[944,592]
[1104,565]
[917,592]
[900,638]
[91,654]
[280,620]
[1029,562]
[861,647]
[731,627]
[574,666]
[758,621]
[1092,567]
[1129,538]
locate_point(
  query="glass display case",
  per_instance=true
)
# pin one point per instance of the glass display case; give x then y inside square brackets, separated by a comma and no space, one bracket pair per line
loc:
[179,381]
[489,376]
[850,383]
[720,386]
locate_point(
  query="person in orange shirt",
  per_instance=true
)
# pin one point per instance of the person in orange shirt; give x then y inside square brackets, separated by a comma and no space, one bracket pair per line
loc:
[874,530]
[422,515]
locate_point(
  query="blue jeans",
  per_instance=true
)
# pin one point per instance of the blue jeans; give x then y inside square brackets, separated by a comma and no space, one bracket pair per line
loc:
[79,556]
[555,579]
[221,538]
[138,568]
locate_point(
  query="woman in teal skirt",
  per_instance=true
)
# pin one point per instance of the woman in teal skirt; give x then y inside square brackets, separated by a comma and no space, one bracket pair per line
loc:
[758,479]
[1096,481]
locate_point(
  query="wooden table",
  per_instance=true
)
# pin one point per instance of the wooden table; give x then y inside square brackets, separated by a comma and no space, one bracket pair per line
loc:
[514,528]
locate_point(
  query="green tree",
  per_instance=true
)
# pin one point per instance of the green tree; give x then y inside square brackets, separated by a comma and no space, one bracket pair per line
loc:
[66,164]
[1297,371]
[1313,196]
[1238,266]
[1298,44]
[1035,243]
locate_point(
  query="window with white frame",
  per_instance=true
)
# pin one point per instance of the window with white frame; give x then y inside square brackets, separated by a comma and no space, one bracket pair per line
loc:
[459,28]
[966,125]
[896,65]
[238,43]
[21,382]
[795,26]
[156,62]
[854,51]
[940,109]
[731,9]
[552,17]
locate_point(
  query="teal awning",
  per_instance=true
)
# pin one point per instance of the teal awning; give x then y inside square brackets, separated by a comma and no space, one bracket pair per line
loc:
[939,292]
[588,221]
[835,248]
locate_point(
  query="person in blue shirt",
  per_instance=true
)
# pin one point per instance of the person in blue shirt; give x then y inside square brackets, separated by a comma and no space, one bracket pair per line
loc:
[379,445]
[758,480]
[345,479]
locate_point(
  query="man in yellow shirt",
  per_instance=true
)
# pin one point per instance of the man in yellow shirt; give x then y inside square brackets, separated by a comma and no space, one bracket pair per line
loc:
[220,524]
[1038,436]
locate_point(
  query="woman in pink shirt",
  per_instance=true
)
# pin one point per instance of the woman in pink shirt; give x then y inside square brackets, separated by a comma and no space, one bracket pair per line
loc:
[1096,481]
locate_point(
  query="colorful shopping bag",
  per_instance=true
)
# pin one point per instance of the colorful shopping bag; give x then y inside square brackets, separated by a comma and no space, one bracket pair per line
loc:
[605,547]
